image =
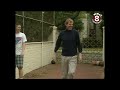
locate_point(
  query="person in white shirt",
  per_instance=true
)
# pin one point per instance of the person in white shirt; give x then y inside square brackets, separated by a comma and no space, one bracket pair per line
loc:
[20,48]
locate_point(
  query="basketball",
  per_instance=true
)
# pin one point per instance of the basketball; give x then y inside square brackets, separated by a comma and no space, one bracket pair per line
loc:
[53,62]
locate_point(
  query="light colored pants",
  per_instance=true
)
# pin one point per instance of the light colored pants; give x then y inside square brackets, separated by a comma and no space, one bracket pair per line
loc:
[69,64]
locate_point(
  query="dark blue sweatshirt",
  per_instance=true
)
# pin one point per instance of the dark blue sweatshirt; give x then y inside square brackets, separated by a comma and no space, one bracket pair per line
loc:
[70,41]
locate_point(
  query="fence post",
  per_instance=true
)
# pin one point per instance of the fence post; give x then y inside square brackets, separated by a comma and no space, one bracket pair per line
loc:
[54,35]
[23,20]
[54,39]
[104,45]
[42,39]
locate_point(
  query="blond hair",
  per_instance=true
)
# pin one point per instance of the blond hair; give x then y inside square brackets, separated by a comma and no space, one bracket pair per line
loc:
[68,20]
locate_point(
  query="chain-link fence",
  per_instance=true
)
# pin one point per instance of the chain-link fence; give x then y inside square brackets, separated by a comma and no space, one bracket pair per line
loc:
[38,28]
[36,24]
[92,41]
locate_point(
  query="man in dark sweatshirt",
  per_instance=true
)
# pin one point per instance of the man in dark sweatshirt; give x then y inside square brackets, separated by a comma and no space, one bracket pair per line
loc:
[70,41]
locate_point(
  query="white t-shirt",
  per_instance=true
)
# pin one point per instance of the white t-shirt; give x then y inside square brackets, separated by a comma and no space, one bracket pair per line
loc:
[20,39]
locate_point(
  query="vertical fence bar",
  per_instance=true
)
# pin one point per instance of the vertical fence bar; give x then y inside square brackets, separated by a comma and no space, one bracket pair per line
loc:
[104,45]
[42,38]
[54,39]
[23,20]
[54,35]
[54,18]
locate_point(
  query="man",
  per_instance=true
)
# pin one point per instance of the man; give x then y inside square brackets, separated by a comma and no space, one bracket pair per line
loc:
[69,38]
[20,48]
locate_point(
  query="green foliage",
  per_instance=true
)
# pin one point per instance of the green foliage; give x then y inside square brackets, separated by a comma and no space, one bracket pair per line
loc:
[19,20]
[47,30]
[49,17]
[34,14]
[78,24]
[61,16]
[32,28]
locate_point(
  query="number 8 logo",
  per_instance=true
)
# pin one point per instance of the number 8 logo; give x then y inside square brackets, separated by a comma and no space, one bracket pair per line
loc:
[97,18]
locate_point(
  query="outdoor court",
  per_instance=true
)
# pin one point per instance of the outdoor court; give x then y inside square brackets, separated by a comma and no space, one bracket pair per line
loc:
[53,71]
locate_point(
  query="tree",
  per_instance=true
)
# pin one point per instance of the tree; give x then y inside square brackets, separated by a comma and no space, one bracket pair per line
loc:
[33,28]
[61,16]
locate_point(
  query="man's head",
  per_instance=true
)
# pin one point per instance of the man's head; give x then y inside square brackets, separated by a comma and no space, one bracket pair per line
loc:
[18,28]
[69,24]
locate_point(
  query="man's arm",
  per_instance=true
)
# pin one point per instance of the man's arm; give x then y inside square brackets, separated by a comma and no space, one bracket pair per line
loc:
[23,48]
[23,44]
[79,45]
[58,43]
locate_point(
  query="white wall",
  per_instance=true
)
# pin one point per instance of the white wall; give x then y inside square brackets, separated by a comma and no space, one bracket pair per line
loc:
[36,55]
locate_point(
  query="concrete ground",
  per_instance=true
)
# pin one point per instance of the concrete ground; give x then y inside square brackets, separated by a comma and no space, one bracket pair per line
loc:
[53,71]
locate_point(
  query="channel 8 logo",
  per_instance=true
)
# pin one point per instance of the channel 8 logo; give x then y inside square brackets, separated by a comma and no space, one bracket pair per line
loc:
[97,18]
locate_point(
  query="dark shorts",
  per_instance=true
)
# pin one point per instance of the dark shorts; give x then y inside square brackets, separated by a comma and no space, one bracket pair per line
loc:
[19,61]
